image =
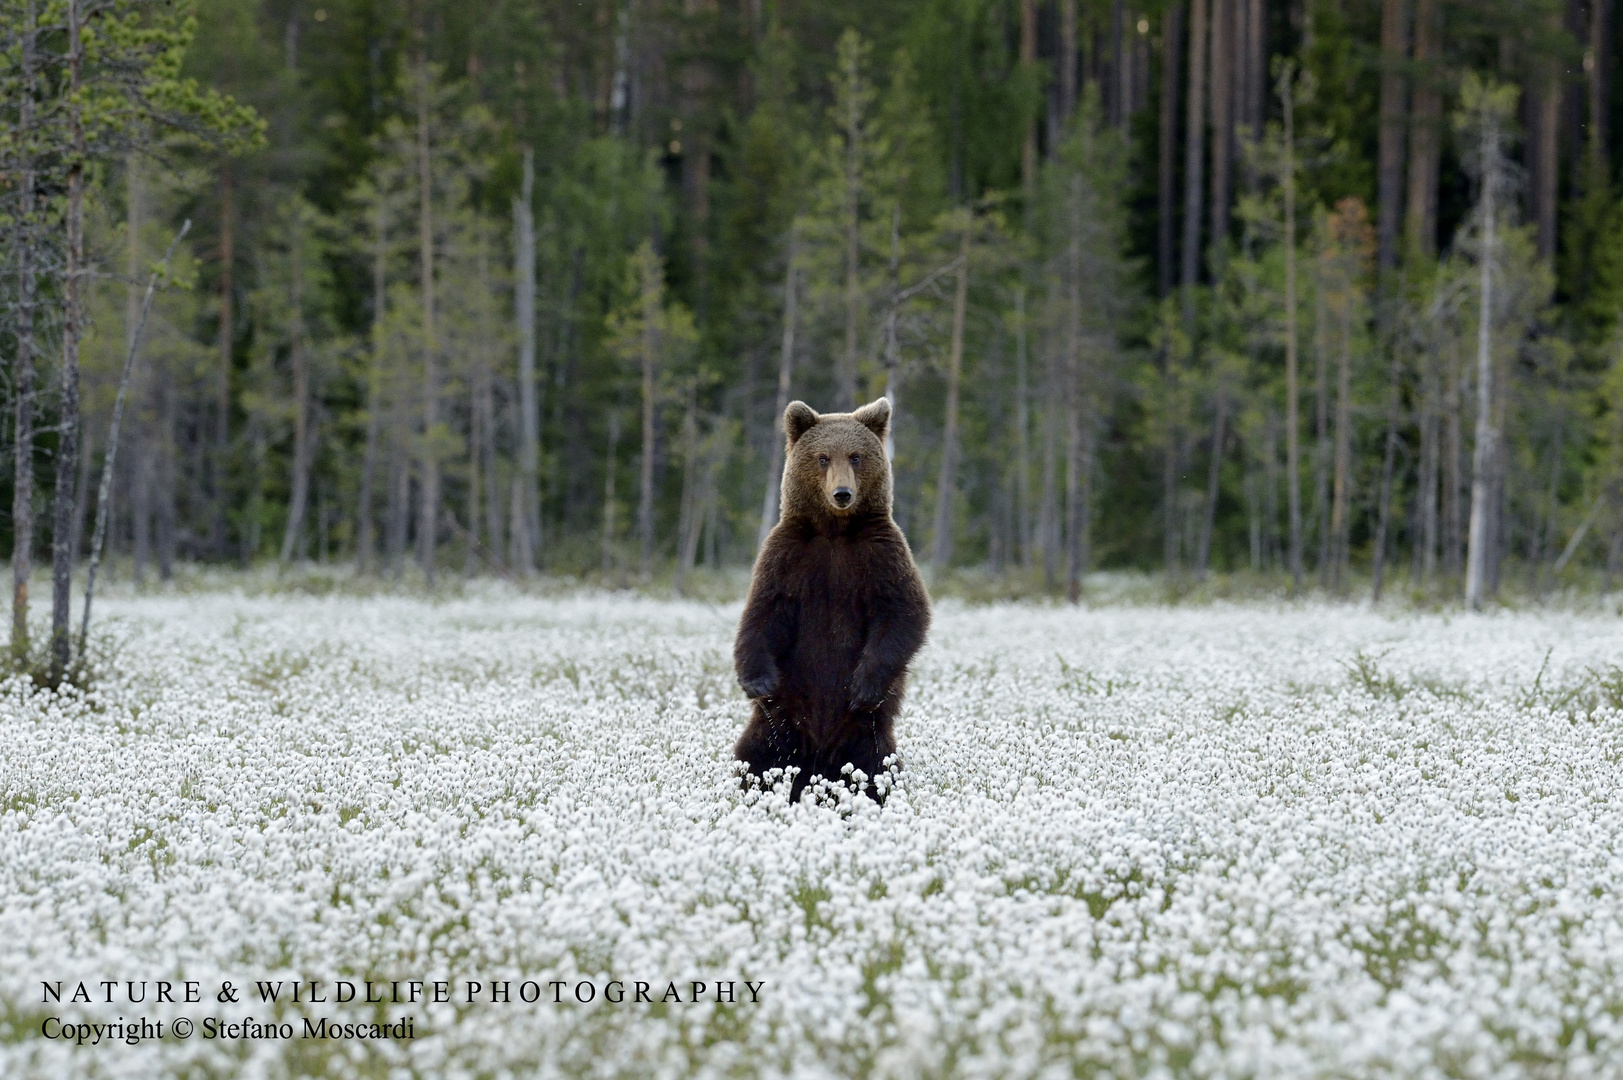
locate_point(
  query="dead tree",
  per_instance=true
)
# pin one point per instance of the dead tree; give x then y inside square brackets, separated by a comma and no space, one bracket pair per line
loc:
[1293,423]
[22,499]
[428,518]
[529,409]
[786,364]
[1490,106]
[66,506]
[299,355]
[946,484]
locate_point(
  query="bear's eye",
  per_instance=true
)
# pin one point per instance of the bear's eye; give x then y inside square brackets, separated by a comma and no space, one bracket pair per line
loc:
[822,459]
[856,461]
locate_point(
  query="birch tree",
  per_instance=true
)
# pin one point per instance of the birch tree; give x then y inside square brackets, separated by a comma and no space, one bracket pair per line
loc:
[947,481]
[786,364]
[1293,395]
[302,264]
[529,409]
[26,150]
[429,505]
[120,73]
[1083,235]
[1485,112]
[1346,260]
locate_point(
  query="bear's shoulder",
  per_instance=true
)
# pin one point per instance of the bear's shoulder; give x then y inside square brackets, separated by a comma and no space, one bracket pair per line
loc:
[876,555]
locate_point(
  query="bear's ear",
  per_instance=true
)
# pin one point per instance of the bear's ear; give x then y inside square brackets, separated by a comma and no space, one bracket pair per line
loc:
[875,416]
[798,419]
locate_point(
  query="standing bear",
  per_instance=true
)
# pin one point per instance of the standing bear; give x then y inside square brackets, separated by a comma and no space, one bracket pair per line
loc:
[836,608]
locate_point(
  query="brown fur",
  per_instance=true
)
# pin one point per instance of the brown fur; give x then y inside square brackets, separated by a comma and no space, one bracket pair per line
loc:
[836,607]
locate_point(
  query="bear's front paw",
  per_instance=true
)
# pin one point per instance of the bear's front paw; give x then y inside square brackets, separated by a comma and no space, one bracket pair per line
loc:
[866,693]
[759,684]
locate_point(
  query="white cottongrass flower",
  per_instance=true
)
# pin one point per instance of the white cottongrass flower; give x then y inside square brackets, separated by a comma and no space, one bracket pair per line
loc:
[1227,842]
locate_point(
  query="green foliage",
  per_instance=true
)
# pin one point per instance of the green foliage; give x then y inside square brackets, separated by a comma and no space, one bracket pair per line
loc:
[134,53]
[693,138]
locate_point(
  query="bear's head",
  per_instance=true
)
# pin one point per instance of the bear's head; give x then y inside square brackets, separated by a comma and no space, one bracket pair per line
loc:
[835,463]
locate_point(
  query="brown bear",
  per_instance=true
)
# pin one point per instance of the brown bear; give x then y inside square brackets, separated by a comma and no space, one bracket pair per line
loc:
[836,609]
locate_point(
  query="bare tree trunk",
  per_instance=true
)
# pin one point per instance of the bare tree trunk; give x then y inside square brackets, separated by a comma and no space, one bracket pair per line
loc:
[1426,565]
[1270,498]
[1028,145]
[23,390]
[140,507]
[1425,133]
[165,467]
[893,347]
[1341,487]
[703,522]
[1598,69]
[1067,59]
[1048,514]
[1453,465]
[686,535]
[1293,422]
[1614,556]
[1193,159]
[519,551]
[1250,484]
[786,363]
[651,291]
[1389,147]
[1494,546]
[846,384]
[1543,543]
[1214,478]
[1169,464]
[529,409]
[1078,460]
[1083,546]
[1167,134]
[1321,460]
[220,459]
[697,82]
[476,438]
[712,558]
[292,536]
[65,509]
[428,521]
[1222,113]
[1022,426]
[1256,51]
[1388,459]
[364,542]
[1486,450]
[1222,120]
[398,507]
[140,489]
[947,481]
[484,408]
[87,458]
[1116,115]
[1078,484]
[608,492]
[1545,117]
[104,496]
[515,520]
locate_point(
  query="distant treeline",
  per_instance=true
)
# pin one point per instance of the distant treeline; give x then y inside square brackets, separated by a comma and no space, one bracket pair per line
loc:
[1315,288]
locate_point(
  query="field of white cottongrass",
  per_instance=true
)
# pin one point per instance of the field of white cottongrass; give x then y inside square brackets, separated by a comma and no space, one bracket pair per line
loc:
[1215,842]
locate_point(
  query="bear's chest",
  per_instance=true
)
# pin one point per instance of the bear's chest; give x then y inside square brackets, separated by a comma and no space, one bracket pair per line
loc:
[833,593]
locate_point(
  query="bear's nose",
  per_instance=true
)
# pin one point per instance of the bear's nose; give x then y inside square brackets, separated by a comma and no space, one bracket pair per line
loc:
[842,497]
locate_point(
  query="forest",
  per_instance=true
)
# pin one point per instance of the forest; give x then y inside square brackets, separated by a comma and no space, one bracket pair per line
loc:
[1325,292]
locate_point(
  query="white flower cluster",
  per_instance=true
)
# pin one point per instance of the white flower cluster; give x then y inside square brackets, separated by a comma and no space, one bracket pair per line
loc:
[1224,842]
